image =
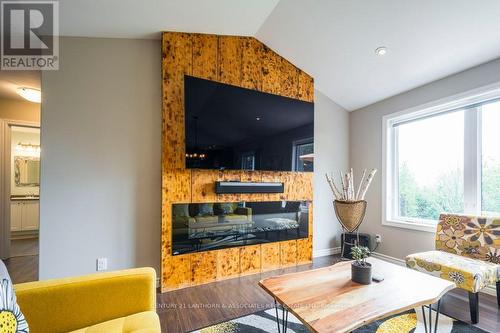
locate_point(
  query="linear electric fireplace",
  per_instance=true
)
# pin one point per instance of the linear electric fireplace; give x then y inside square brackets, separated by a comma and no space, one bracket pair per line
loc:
[200,227]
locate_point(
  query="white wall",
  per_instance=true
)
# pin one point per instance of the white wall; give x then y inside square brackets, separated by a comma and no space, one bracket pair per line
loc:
[100,172]
[365,145]
[331,137]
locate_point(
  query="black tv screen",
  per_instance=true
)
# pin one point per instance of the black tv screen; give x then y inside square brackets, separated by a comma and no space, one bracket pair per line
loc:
[233,128]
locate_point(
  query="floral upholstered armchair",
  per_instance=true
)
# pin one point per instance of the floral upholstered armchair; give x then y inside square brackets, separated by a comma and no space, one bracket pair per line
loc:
[467,253]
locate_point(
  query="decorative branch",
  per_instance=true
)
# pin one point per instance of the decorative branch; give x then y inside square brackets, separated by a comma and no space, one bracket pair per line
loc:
[347,191]
[344,185]
[361,183]
[336,192]
[367,183]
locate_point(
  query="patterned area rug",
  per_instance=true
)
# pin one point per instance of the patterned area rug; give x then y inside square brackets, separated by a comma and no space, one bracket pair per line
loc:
[410,321]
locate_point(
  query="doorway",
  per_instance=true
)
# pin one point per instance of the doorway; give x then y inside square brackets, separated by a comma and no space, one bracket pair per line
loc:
[20,110]
[21,174]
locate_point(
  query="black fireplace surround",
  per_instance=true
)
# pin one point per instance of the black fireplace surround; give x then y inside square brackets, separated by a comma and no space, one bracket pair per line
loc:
[198,227]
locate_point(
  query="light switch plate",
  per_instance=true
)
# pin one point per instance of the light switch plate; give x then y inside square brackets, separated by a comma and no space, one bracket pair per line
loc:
[102,264]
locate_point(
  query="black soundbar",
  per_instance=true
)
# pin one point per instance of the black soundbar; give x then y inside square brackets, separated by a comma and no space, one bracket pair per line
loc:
[248,187]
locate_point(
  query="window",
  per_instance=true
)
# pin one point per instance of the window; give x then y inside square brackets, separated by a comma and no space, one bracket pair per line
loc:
[303,155]
[429,159]
[444,158]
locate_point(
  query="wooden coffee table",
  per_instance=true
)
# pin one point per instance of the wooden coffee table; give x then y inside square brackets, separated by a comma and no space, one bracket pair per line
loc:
[326,300]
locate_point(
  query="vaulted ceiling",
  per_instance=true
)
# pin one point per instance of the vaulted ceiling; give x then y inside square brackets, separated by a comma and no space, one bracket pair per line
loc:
[333,40]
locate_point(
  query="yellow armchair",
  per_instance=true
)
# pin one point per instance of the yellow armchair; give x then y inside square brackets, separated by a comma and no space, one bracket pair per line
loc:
[121,301]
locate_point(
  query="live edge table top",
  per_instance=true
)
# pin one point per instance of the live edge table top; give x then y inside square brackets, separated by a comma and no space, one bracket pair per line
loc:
[326,300]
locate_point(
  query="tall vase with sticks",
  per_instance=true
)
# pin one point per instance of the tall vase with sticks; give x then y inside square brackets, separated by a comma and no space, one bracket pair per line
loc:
[349,202]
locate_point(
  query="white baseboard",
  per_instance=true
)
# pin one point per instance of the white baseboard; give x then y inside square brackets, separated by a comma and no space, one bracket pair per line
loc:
[390,259]
[326,252]
[490,290]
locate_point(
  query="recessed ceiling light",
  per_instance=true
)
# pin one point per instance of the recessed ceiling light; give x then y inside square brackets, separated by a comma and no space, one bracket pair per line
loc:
[258,118]
[380,51]
[30,94]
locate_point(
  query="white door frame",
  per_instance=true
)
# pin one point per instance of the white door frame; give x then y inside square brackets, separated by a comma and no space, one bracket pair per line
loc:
[5,173]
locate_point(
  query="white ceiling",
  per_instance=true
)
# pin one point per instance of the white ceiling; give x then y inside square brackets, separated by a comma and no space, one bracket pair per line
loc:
[333,40]
[427,40]
[147,18]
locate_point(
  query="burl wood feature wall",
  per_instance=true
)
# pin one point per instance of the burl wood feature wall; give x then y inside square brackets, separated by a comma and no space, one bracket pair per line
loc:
[243,62]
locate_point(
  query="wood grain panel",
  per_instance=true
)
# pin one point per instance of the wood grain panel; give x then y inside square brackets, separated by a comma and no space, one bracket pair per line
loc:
[202,185]
[290,187]
[228,263]
[166,234]
[230,59]
[306,87]
[308,182]
[304,250]
[270,176]
[250,259]
[205,56]
[299,185]
[288,253]
[176,61]
[176,272]
[271,71]
[203,267]
[270,253]
[251,176]
[169,182]
[311,219]
[289,75]
[177,185]
[244,62]
[251,75]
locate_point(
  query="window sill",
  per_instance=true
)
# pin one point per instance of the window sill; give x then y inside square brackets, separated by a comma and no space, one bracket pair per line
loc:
[419,226]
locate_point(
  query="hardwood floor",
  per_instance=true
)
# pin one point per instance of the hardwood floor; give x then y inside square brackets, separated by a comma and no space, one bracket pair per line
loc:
[22,269]
[24,247]
[192,308]
[23,263]
[456,304]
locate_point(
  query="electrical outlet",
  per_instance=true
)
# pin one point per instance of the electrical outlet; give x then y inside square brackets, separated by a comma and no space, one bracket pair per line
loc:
[102,264]
[378,238]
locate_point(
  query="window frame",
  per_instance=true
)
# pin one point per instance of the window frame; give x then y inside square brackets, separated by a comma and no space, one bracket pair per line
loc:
[295,145]
[467,101]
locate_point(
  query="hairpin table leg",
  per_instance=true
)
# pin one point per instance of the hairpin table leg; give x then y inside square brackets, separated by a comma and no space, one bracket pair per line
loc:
[423,315]
[277,317]
[284,318]
[428,329]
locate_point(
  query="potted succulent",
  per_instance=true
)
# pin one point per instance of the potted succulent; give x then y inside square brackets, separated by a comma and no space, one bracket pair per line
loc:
[361,271]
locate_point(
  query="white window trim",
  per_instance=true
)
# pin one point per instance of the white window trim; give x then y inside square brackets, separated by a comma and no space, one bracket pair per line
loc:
[294,150]
[389,189]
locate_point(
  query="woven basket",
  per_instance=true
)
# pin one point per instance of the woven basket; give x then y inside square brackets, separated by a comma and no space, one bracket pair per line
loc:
[350,213]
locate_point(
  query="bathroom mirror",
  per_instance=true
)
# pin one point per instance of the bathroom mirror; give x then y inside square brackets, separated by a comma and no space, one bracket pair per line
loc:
[27,171]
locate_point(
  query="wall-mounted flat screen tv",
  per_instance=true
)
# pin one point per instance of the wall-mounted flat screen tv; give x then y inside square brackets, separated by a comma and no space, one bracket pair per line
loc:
[232,128]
